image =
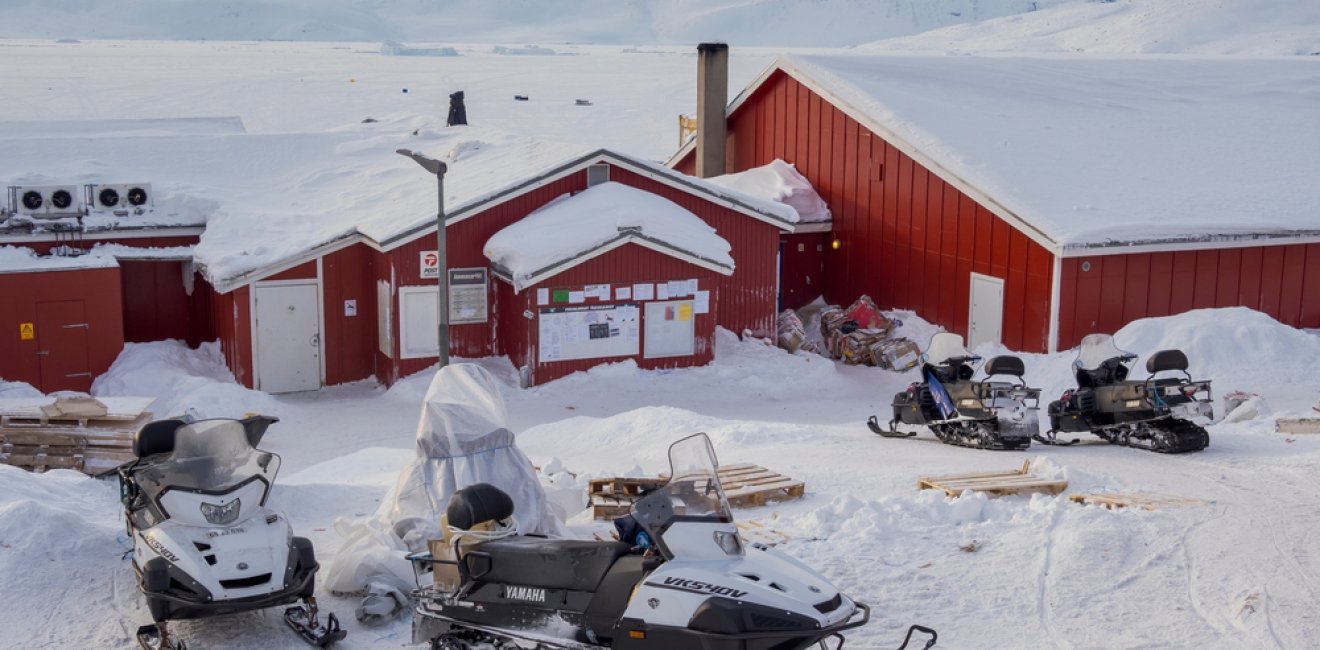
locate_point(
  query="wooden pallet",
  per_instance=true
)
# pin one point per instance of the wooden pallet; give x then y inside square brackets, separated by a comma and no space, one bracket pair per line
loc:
[33,440]
[1297,425]
[992,483]
[745,485]
[1144,500]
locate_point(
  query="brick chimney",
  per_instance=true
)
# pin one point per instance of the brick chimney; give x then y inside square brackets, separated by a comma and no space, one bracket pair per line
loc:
[712,97]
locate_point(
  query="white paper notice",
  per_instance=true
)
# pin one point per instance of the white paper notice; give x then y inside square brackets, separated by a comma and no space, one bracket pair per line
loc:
[644,291]
[661,291]
[691,287]
[702,302]
[542,296]
[577,297]
[598,291]
[623,293]
[677,288]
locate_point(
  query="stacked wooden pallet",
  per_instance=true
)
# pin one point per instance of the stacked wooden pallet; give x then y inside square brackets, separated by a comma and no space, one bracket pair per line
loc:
[745,485]
[992,483]
[1143,500]
[35,439]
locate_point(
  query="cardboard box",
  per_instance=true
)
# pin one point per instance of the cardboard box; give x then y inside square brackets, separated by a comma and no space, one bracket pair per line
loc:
[896,354]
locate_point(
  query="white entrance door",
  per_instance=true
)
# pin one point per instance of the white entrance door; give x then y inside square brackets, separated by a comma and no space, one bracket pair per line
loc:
[287,337]
[986,313]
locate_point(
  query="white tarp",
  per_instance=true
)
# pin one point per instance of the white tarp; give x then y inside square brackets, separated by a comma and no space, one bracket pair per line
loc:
[463,438]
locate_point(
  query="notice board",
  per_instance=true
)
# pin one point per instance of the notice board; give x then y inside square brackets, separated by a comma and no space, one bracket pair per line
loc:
[589,332]
[670,330]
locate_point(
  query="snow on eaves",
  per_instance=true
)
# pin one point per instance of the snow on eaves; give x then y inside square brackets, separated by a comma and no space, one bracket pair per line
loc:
[779,181]
[574,226]
[20,259]
[1103,151]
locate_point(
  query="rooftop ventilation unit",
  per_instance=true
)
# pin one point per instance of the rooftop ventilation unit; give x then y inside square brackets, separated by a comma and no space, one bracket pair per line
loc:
[123,196]
[48,201]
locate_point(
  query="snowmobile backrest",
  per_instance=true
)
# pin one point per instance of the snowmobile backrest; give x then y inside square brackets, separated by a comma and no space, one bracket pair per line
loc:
[1005,365]
[1166,360]
[478,503]
[156,438]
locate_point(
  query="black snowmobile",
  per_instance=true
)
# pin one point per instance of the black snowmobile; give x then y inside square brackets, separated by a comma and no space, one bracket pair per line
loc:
[983,414]
[1152,413]
[681,579]
[204,542]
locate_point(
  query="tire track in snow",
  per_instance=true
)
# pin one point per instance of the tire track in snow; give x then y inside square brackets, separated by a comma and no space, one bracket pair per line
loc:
[1043,610]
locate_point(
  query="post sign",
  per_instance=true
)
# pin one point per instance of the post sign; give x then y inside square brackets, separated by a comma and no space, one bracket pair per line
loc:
[25,332]
[430,265]
[467,295]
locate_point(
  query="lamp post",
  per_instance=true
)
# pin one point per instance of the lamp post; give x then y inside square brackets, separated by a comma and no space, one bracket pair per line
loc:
[442,297]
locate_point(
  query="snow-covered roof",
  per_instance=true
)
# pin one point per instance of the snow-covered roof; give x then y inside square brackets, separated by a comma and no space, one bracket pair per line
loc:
[779,181]
[19,259]
[573,229]
[1084,152]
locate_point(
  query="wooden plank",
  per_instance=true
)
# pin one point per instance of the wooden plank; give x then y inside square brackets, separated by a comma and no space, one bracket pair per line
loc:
[1297,425]
[1144,500]
[995,483]
[119,408]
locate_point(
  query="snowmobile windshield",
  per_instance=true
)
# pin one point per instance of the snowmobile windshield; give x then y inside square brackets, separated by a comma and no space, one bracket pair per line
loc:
[1097,349]
[945,346]
[211,456]
[693,492]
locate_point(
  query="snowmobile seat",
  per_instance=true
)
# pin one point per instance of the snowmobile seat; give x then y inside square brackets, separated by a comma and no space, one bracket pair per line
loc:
[575,565]
[478,503]
[1005,365]
[1166,360]
[156,437]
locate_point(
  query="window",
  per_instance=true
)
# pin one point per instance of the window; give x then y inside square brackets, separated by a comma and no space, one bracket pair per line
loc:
[597,174]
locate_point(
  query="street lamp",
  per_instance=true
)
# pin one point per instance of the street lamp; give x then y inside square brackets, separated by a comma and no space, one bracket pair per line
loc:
[442,297]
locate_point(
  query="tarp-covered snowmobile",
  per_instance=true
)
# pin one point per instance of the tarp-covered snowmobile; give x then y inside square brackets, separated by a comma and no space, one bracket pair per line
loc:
[204,542]
[683,579]
[1152,413]
[962,411]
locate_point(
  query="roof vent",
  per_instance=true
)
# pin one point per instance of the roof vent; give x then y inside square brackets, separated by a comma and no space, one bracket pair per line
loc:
[47,201]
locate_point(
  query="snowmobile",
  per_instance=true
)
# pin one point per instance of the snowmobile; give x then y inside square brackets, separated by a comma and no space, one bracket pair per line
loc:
[983,414]
[681,579]
[1152,413]
[204,542]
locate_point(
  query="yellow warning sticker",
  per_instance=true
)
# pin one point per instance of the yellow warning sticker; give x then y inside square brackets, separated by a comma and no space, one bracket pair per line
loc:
[685,311]
[25,332]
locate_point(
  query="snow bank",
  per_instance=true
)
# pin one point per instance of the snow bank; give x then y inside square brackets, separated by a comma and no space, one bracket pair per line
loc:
[182,379]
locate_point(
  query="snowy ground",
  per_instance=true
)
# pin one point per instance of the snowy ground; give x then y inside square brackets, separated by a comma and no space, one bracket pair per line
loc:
[1237,572]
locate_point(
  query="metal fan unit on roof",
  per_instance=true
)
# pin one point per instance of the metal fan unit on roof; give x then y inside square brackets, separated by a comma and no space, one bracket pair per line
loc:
[119,196]
[48,201]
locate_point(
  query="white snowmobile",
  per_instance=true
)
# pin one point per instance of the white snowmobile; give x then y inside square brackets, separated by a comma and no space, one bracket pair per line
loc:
[204,542]
[983,414]
[684,581]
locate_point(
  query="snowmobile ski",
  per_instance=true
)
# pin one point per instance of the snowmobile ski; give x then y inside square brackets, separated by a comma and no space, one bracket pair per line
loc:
[157,637]
[1051,437]
[891,432]
[303,620]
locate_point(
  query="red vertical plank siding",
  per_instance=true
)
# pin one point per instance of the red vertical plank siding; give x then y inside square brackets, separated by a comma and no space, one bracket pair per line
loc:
[99,291]
[623,267]
[233,326]
[948,256]
[918,291]
[1282,281]
[156,307]
[350,341]
[304,271]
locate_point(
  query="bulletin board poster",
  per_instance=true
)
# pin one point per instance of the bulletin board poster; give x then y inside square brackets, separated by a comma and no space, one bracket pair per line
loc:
[589,332]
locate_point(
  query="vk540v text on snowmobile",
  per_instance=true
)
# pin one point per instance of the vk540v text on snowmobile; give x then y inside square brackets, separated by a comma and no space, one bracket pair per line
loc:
[960,411]
[1152,413]
[204,542]
[688,583]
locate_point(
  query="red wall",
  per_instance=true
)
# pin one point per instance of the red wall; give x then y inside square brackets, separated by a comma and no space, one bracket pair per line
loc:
[233,326]
[97,288]
[350,341]
[908,239]
[1282,281]
[156,307]
[623,266]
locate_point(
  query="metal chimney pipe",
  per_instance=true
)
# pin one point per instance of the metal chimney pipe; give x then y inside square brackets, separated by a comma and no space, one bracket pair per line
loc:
[712,97]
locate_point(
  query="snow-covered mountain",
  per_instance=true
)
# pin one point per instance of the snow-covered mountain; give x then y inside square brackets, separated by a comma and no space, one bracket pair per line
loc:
[1111,26]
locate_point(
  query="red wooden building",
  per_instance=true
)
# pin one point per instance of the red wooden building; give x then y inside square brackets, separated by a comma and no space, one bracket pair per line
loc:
[364,305]
[1034,201]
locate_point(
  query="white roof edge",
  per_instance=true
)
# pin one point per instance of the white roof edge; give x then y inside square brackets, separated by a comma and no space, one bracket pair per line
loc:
[813,226]
[579,258]
[1205,243]
[237,281]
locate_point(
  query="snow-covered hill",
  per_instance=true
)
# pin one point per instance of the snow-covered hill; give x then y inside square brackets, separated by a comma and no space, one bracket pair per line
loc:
[1110,26]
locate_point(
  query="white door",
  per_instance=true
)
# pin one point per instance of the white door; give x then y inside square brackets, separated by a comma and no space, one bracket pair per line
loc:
[287,337]
[986,313]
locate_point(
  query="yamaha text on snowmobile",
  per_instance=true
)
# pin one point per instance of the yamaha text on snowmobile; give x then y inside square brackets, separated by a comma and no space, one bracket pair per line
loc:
[961,411]
[1152,413]
[204,542]
[681,579]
